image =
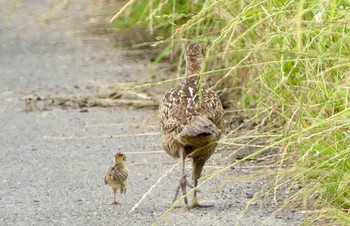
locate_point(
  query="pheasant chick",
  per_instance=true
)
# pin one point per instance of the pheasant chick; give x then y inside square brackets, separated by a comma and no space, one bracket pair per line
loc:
[117,176]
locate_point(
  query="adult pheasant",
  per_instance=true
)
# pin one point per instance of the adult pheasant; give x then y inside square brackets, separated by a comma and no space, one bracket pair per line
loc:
[191,118]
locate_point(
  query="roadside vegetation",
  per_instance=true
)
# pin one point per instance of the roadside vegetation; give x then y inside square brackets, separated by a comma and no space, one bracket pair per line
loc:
[284,67]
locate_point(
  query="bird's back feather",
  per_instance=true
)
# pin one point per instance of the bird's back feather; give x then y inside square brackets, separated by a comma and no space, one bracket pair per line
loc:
[189,119]
[117,177]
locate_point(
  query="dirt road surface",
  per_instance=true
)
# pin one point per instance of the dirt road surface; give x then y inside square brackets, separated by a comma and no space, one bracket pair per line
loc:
[58,137]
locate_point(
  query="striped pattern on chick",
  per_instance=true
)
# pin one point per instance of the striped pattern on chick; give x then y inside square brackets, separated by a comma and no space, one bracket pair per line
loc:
[117,176]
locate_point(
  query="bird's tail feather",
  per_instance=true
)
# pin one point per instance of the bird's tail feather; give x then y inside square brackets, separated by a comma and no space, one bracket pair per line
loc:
[198,131]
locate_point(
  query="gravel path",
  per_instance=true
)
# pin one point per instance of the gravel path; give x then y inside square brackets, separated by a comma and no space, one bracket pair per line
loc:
[53,161]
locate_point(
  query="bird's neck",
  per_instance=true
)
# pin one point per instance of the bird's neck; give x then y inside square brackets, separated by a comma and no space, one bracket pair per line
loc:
[192,67]
[119,164]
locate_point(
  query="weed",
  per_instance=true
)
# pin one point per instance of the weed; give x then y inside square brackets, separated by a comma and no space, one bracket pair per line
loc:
[286,65]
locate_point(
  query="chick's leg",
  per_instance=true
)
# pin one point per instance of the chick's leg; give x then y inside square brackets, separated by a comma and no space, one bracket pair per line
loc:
[115,197]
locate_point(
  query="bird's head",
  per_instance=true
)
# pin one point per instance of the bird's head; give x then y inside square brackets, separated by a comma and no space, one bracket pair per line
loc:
[195,53]
[119,158]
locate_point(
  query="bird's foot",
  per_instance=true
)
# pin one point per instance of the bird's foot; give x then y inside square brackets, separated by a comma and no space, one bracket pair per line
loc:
[197,205]
[115,202]
[194,206]
[183,183]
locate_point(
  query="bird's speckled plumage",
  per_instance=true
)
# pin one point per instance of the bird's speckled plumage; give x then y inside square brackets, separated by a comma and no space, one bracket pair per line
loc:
[191,125]
[117,176]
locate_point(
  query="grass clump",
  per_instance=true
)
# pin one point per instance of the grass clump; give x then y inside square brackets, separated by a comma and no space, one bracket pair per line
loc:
[283,64]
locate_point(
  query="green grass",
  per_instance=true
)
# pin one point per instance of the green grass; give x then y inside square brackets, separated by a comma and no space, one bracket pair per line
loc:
[156,14]
[9,15]
[285,65]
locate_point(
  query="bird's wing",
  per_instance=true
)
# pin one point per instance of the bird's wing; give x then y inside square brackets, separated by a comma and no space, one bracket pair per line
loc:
[105,179]
[213,108]
[178,104]
[171,111]
[119,174]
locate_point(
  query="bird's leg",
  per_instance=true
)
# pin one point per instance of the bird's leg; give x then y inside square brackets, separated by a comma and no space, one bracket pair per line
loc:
[115,197]
[194,203]
[197,170]
[183,183]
